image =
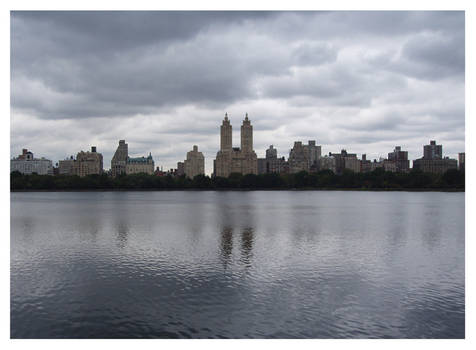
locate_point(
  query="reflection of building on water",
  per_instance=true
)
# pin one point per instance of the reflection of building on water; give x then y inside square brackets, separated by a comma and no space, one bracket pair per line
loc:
[246,245]
[226,245]
[245,248]
[122,233]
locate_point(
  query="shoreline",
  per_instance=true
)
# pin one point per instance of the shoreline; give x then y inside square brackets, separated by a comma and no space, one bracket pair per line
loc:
[245,189]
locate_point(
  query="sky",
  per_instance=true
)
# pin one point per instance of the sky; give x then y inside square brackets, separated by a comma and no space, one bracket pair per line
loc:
[163,81]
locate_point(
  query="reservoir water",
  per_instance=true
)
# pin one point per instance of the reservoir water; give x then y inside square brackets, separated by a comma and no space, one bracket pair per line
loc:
[262,264]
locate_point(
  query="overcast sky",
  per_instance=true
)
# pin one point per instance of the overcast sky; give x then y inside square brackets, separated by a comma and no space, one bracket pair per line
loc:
[363,81]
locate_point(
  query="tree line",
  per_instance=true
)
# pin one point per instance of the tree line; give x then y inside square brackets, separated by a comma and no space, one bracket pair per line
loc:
[325,179]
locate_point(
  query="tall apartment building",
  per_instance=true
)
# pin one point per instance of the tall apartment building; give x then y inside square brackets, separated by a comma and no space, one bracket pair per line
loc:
[26,163]
[402,164]
[314,153]
[346,160]
[139,165]
[298,158]
[88,163]
[327,163]
[272,164]
[231,159]
[433,161]
[194,164]
[433,151]
[304,157]
[119,160]
[66,166]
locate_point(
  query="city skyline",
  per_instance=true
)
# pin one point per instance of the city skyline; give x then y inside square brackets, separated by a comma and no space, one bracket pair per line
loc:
[360,81]
[230,159]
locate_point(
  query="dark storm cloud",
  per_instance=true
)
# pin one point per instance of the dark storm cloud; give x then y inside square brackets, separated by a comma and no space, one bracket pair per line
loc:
[162,78]
[118,63]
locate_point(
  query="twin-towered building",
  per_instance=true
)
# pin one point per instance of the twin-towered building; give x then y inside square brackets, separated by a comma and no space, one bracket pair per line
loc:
[231,159]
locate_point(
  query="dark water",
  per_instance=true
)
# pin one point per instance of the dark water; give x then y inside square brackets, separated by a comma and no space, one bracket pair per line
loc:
[237,265]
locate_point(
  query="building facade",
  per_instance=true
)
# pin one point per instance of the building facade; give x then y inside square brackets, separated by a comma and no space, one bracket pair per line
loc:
[140,165]
[298,158]
[402,164]
[65,167]
[119,160]
[304,157]
[346,160]
[368,166]
[88,163]
[314,153]
[435,166]
[433,161]
[180,168]
[433,151]
[194,164]
[327,163]
[461,161]
[272,164]
[233,159]
[26,163]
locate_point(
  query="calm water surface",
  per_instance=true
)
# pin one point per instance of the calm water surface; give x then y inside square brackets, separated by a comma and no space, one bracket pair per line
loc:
[279,264]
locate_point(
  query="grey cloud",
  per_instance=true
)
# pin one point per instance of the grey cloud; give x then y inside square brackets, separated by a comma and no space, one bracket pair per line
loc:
[118,63]
[432,57]
[334,85]
[314,53]
[109,32]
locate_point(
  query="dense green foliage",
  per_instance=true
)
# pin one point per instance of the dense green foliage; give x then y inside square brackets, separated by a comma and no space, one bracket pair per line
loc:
[378,179]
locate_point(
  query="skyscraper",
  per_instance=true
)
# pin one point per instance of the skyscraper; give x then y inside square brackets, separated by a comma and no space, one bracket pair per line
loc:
[234,159]
[194,164]
[119,160]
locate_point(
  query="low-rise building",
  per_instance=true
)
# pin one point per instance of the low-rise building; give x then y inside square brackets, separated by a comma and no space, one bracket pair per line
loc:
[26,163]
[140,165]
[368,166]
[436,166]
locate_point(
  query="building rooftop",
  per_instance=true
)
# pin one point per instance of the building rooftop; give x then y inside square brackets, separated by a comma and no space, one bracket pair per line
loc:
[140,159]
